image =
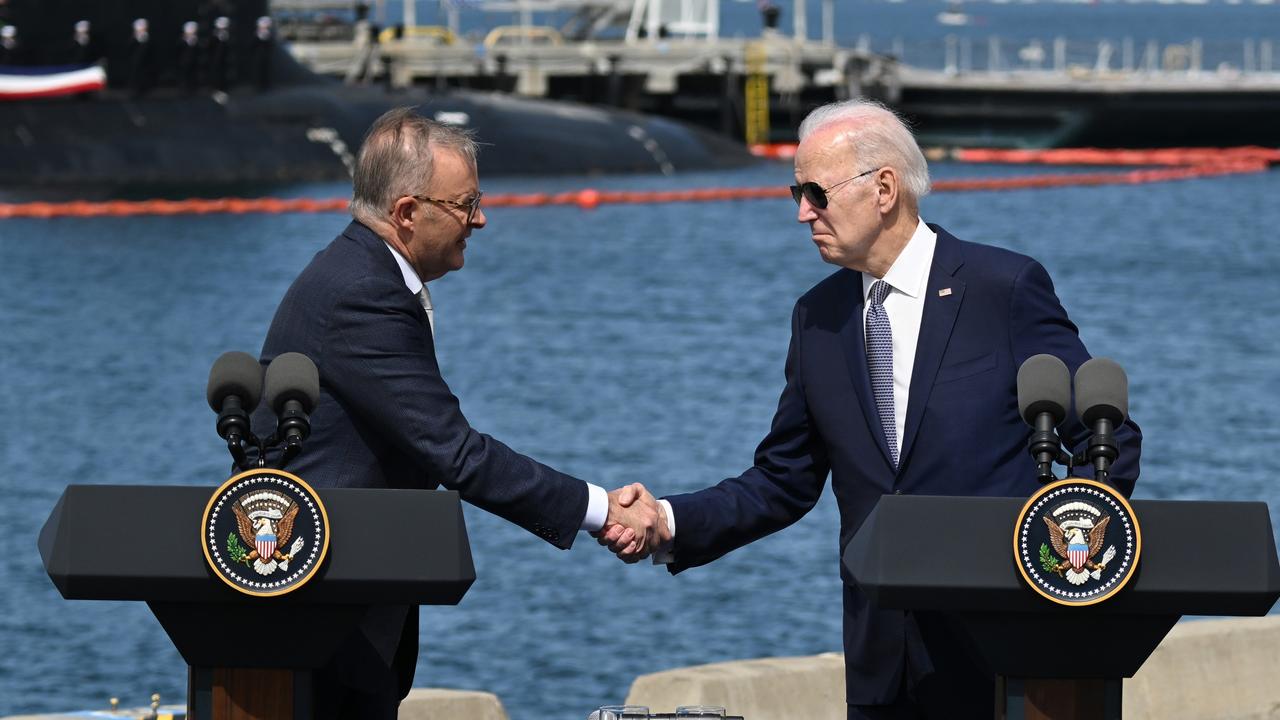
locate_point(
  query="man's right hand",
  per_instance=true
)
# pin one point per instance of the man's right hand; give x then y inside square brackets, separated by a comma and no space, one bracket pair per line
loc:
[636,525]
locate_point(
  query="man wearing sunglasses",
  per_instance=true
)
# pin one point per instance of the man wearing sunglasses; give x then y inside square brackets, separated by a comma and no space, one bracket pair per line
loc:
[900,379]
[386,419]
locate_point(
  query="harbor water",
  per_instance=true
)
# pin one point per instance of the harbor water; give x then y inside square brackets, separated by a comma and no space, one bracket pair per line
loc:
[624,344]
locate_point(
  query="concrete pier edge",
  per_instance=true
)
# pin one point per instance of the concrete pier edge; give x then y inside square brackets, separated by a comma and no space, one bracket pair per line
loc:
[1223,669]
[1204,669]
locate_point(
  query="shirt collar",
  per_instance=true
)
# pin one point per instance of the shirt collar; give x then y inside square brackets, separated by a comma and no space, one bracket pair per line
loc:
[909,273]
[411,279]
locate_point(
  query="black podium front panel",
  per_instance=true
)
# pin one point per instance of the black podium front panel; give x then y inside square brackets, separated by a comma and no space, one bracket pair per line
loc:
[956,554]
[114,542]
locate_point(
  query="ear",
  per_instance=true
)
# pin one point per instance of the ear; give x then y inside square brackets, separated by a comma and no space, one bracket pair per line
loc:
[888,186]
[404,212]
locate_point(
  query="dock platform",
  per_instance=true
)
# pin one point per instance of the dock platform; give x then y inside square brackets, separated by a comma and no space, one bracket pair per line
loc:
[758,89]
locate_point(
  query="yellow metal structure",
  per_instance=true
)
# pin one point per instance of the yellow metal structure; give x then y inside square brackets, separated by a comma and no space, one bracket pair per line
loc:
[757,95]
[438,33]
[522,35]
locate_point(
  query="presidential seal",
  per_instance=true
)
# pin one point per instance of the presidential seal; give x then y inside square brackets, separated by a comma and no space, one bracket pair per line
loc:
[265,532]
[1077,542]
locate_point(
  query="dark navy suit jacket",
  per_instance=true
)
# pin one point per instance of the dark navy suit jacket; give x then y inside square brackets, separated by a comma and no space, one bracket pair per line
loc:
[386,418]
[963,436]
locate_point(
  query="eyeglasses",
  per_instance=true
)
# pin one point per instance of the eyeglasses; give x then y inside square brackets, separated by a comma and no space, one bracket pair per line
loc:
[816,194]
[471,206]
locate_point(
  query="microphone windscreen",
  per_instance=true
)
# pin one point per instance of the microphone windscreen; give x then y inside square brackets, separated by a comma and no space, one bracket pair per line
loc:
[235,373]
[1044,385]
[292,376]
[1102,392]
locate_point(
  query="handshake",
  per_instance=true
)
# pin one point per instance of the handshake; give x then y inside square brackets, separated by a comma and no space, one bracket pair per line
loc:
[636,526]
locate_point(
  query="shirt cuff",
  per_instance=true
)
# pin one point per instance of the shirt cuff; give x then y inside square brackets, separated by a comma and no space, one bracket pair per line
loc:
[597,508]
[665,555]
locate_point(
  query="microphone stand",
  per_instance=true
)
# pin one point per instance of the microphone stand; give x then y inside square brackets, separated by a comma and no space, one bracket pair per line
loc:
[241,461]
[292,448]
[235,445]
[233,424]
[1102,450]
[1046,447]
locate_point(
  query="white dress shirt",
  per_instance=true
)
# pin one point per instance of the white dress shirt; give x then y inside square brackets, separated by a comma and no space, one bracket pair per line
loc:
[908,280]
[597,498]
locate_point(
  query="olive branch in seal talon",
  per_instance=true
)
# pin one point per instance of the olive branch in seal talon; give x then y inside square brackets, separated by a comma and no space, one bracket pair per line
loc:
[235,550]
[1048,562]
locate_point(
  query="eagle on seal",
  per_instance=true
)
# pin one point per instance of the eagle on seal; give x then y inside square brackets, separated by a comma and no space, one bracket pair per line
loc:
[279,532]
[1077,548]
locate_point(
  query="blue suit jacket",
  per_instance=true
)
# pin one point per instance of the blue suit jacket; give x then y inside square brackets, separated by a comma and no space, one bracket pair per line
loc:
[386,418]
[963,436]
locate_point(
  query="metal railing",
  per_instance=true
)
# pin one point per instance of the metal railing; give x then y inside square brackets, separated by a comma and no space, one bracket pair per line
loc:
[957,55]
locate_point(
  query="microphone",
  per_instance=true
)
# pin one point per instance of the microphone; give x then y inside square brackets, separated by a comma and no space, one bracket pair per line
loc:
[1102,401]
[292,391]
[235,386]
[1044,394]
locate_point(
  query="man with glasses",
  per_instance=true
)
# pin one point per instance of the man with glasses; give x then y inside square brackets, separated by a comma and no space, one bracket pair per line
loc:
[386,419]
[900,378]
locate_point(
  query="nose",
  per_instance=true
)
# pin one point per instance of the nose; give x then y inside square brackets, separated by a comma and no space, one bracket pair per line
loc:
[805,212]
[478,220]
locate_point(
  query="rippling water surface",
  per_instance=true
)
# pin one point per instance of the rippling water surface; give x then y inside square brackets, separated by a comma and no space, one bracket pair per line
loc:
[640,343]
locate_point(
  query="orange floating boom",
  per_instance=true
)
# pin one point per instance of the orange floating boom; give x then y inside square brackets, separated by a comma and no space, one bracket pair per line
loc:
[1174,164]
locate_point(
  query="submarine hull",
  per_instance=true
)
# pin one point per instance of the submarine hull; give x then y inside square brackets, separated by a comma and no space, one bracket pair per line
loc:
[311,132]
[155,130]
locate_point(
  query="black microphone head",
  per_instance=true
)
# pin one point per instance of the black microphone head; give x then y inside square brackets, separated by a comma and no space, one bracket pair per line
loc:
[1102,392]
[235,373]
[1044,385]
[292,376]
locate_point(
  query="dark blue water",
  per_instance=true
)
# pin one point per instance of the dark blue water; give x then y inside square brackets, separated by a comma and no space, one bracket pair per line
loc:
[625,344]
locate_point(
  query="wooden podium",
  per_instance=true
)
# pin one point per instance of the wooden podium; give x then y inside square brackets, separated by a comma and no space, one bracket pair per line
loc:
[1198,558]
[253,657]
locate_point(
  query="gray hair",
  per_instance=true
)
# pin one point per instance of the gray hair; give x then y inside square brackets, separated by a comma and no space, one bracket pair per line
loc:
[879,137]
[396,159]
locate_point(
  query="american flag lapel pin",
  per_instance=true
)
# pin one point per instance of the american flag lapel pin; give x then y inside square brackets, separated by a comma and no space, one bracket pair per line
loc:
[944,292]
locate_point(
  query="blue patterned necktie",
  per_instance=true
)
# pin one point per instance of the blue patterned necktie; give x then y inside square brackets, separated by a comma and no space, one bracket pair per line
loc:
[880,363]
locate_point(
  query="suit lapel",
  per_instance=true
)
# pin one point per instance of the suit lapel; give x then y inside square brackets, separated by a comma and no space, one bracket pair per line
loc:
[941,306]
[855,350]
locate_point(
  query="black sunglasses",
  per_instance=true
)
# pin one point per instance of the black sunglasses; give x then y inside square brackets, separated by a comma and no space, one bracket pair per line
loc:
[816,194]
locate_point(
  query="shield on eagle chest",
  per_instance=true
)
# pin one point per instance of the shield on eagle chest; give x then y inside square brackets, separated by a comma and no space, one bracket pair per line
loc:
[1077,553]
[266,543]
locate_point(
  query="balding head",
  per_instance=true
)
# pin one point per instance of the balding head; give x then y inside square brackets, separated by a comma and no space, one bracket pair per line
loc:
[877,137]
[397,159]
